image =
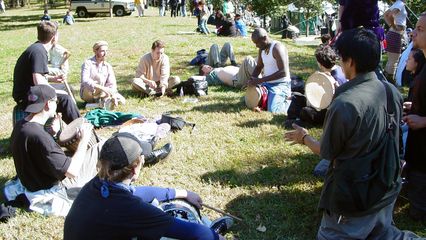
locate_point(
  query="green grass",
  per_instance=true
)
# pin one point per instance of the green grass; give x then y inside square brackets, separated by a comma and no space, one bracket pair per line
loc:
[236,159]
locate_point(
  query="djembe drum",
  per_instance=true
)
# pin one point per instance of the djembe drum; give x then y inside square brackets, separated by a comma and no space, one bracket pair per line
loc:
[70,135]
[319,90]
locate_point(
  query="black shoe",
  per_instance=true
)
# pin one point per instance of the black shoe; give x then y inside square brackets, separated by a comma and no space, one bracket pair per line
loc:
[222,225]
[159,154]
[233,63]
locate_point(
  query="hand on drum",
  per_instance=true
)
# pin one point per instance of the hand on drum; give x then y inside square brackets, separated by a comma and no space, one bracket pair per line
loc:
[85,132]
[194,199]
[253,81]
[296,136]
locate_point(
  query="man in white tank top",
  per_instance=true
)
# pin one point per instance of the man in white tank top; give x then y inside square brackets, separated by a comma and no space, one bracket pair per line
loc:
[273,61]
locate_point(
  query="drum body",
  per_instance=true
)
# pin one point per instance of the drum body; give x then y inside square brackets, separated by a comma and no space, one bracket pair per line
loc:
[49,126]
[256,96]
[182,210]
[70,137]
[319,90]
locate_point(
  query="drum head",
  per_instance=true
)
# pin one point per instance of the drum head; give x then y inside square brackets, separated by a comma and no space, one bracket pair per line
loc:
[319,90]
[182,210]
[253,95]
[70,131]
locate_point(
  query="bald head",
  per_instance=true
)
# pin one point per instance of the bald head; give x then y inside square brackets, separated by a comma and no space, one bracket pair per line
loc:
[259,33]
[260,38]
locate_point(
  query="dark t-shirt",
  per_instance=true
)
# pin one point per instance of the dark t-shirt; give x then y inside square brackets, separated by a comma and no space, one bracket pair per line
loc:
[39,161]
[415,151]
[119,216]
[32,60]
[228,29]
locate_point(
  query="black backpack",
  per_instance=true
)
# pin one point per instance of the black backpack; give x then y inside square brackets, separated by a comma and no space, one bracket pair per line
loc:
[197,87]
[176,123]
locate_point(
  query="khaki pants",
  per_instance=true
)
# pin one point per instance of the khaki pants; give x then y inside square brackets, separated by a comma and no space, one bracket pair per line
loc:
[88,169]
[244,74]
[138,85]
[218,58]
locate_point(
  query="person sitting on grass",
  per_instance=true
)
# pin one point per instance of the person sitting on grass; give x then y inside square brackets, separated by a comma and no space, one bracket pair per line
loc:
[45,175]
[109,207]
[98,83]
[273,62]
[153,73]
[68,18]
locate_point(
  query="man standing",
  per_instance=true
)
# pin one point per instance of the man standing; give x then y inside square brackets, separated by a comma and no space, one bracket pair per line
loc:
[31,69]
[45,174]
[273,59]
[354,128]
[153,73]
[415,152]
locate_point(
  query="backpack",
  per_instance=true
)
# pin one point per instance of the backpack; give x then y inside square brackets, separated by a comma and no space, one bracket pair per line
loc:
[196,85]
[363,184]
[176,123]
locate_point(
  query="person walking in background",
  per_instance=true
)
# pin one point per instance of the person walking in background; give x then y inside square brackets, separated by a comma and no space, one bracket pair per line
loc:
[2,6]
[395,17]
[183,8]
[173,8]
[139,7]
[204,16]
[162,7]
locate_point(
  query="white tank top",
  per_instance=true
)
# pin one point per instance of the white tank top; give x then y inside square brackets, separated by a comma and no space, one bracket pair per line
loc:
[270,65]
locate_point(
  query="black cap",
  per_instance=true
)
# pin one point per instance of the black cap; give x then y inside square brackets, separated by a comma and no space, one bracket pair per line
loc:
[38,96]
[122,149]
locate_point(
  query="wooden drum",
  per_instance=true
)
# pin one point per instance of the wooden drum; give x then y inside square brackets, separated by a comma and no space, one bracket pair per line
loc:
[70,136]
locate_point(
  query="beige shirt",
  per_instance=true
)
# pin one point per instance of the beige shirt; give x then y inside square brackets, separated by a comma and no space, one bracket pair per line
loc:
[159,70]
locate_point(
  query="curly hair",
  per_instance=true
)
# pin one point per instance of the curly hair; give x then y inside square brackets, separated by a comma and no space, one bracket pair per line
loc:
[326,56]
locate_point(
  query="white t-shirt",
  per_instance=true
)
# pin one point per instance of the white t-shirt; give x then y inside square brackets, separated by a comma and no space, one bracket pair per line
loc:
[401,17]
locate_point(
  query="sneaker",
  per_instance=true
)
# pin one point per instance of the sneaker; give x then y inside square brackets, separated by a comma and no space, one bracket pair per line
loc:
[222,225]
[159,154]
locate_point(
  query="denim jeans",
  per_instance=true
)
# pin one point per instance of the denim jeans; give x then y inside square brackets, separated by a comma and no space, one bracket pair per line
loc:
[203,26]
[278,94]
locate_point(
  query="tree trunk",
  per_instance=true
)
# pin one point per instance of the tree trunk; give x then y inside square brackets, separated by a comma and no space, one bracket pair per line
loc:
[110,8]
[307,23]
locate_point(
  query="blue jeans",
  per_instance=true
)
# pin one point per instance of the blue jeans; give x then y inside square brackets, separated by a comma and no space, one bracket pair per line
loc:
[278,94]
[203,26]
[161,11]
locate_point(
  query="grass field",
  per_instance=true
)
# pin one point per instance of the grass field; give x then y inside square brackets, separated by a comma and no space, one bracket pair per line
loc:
[236,159]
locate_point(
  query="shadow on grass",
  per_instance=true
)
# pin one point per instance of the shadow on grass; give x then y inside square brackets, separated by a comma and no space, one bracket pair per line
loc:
[276,120]
[270,174]
[297,219]
[30,21]
[5,148]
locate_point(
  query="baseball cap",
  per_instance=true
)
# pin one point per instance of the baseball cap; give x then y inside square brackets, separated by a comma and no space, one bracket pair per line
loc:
[38,96]
[122,149]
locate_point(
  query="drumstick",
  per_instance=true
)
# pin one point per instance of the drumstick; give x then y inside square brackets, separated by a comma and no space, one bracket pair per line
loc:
[221,211]
[69,90]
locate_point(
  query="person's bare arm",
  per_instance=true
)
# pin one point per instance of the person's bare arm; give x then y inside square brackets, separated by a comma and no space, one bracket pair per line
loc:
[389,16]
[301,136]
[253,81]
[39,79]
[279,54]
[80,154]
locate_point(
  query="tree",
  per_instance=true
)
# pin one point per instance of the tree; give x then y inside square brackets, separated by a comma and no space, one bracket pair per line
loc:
[310,8]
